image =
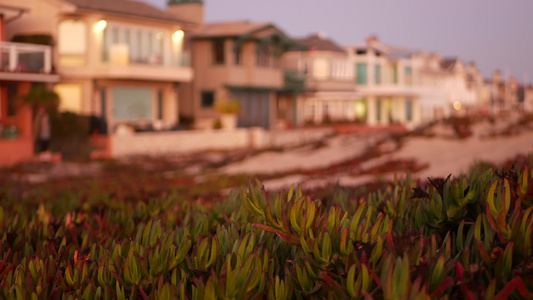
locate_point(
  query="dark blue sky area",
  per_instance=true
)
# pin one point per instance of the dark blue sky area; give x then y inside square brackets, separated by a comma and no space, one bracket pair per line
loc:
[495,34]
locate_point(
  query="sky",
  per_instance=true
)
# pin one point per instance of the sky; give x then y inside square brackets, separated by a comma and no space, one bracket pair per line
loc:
[494,34]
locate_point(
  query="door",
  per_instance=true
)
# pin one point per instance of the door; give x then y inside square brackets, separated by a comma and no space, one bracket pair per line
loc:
[255,109]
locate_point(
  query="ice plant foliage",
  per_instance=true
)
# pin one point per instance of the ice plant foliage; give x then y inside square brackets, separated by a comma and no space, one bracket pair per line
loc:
[466,237]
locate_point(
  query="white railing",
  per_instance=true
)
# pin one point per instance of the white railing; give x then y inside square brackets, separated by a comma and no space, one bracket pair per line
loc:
[25,58]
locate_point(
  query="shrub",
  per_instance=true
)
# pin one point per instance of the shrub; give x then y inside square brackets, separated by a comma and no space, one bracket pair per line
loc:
[228,107]
[465,237]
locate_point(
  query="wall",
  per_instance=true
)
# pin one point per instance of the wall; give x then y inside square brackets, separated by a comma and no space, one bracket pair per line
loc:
[212,77]
[18,149]
[175,142]
[15,150]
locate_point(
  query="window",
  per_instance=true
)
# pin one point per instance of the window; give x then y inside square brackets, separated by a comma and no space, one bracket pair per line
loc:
[310,113]
[262,55]
[361,73]
[237,53]
[337,69]
[72,43]
[388,110]
[132,44]
[105,45]
[103,102]
[150,42]
[408,76]
[70,95]
[377,74]
[72,37]
[378,110]
[409,109]
[395,74]
[137,52]
[320,68]
[360,110]
[12,91]
[361,52]
[114,36]
[159,45]
[160,104]
[218,52]
[208,99]
[132,103]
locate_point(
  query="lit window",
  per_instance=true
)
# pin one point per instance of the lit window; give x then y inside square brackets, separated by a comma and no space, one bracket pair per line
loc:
[70,95]
[72,43]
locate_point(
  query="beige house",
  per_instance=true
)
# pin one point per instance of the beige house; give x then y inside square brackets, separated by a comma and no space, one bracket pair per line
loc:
[238,60]
[387,79]
[504,93]
[328,93]
[121,61]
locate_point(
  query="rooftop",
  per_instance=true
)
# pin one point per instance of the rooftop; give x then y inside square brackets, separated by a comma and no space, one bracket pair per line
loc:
[318,42]
[232,28]
[125,7]
[387,49]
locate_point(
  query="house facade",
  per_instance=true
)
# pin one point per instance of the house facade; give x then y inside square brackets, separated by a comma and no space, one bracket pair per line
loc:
[22,65]
[120,61]
[328,88]
[238,60]
[386,78]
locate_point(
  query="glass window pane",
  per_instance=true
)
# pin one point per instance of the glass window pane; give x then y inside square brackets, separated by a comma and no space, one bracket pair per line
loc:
[361,73]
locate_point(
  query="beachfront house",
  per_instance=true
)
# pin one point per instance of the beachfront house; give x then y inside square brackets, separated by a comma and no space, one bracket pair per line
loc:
[22,65]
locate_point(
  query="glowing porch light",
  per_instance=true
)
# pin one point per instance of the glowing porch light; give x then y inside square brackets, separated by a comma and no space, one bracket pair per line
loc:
[457,105]
[178,35]
[100,25]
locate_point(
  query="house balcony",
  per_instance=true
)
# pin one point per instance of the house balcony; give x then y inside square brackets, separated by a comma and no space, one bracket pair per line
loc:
[26,62]
[294,80]
[118,64]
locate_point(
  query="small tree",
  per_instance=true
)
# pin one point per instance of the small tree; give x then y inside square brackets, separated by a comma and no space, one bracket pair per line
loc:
[40,96]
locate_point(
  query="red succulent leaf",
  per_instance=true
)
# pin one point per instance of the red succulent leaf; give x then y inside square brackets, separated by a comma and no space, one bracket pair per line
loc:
[390,241]
[143,294]
[287,238]
[506,291]
[522,289]
[78,259]
[467,293]
[332,283]
[442,287]
[264,227]
[459,271]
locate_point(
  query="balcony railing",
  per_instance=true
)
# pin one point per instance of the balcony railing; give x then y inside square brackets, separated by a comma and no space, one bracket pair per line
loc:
[294,79]
[25,58]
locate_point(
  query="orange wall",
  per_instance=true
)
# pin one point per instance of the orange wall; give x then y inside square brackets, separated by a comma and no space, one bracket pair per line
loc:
[13,151]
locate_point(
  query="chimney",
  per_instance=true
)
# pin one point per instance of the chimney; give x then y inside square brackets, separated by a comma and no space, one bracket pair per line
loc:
[497,76]
[371,39]
[187,10]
